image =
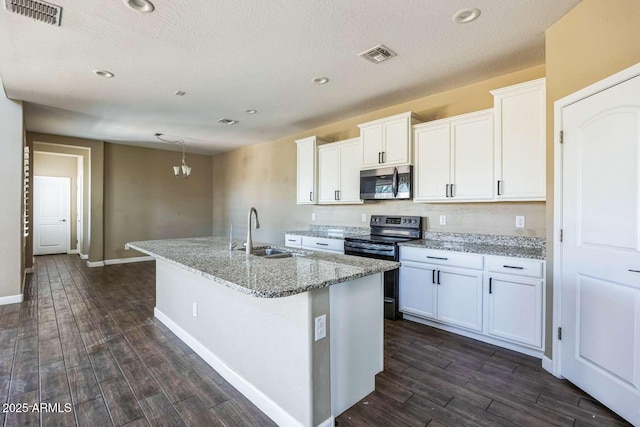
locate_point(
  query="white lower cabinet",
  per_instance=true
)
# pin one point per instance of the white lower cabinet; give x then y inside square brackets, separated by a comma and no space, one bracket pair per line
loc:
[293,240]
[322,244]
[495,299]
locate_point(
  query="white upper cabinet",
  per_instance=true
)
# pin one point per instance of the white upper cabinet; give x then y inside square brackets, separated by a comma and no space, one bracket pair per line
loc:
[339,172]
[387,142]
[520,141]
[454,159]
[306,164]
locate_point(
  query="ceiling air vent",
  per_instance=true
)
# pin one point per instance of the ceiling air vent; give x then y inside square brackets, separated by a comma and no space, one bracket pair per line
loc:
[37,10]
[378,54]
[227,121]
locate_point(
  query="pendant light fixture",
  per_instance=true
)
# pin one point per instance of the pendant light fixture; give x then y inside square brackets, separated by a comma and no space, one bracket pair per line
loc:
[183,170]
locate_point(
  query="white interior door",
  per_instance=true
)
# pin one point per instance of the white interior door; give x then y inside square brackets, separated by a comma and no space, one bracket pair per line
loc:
[51,215]
[600,346]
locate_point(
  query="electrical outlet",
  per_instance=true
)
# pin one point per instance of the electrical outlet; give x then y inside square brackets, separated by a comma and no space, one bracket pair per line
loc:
[313,216]
[443,220]
[364,217]
[519,221]
[321,327]
[195,309]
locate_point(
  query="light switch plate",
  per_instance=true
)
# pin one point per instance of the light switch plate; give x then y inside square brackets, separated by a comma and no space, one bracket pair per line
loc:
[519,221]
[443,220]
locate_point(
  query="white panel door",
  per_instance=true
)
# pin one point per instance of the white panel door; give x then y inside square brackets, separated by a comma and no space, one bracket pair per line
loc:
[433,161]
[600,344]
[460,297]
[396,142]
[306,171]
[328,178]
[472,169]
[350,155]
[51,215]
[372,145]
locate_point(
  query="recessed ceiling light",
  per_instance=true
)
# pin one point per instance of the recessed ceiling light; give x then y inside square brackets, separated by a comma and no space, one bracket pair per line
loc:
[320,80]
[250,111]
[104,73]
[465,16]
[144,6]
[227,121]
[180,93]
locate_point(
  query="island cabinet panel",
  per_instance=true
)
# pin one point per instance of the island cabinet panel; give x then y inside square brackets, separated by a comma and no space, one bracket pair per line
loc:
[520,141]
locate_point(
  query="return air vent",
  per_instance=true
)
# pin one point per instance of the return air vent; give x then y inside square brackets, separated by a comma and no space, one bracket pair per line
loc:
[378,54]
[37,10]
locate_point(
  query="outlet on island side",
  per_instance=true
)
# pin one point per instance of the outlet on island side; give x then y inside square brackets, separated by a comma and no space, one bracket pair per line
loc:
[321,327]
[195,309]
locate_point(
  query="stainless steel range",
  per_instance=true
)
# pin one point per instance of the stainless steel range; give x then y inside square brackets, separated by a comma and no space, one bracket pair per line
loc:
[382,243]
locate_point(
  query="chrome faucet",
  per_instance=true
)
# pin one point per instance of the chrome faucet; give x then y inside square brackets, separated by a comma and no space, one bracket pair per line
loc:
[249,241]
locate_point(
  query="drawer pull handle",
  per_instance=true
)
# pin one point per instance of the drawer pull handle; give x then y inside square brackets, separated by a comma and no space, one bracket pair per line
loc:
[515,268]
[437,257]
[291,240]
[634,271]
[322,244]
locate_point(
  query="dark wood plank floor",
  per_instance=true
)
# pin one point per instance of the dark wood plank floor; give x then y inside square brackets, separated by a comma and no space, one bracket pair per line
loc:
[87,338]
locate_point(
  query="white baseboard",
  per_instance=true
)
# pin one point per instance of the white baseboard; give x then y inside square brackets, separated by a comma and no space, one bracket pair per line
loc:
[547,364]
[28,270]
[73,252]
[128,260]
[12,299]
[258,398]
[329,422]
[83,256]
[95,264]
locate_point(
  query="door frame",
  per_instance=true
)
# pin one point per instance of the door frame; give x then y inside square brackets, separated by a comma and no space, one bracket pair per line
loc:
[559,105]
[67,209]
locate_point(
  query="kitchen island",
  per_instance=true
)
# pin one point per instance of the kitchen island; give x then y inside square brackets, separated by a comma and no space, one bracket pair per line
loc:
[300,336]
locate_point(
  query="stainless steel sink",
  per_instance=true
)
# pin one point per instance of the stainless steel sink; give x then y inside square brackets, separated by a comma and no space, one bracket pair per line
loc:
[274,253]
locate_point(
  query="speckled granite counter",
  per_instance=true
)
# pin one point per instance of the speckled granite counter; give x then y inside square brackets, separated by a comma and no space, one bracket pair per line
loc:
[210,258]
[331,231]
[511,246]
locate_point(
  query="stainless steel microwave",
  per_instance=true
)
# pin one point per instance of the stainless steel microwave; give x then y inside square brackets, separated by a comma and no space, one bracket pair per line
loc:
[386,183]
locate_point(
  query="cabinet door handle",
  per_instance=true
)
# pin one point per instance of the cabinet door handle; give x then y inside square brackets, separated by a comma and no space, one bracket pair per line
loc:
[322,244]
[383,157]
[634,271]
[451,189]
[499,187]
[338,192]
[379,157]
[513,267]
[335,194]
[447,190]
[438,277]
[490,283]
[437,257]
[311,196]
[433,277]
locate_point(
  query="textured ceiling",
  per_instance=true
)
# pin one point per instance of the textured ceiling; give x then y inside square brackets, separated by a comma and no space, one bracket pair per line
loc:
[229,56]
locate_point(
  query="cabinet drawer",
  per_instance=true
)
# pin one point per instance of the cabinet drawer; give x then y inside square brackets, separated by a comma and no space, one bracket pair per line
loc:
[437,257]
[322,244]
[516,266]
[292,240]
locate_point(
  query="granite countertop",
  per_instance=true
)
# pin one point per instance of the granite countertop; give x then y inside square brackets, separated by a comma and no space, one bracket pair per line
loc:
[479,248]
[211,258]
[315,233]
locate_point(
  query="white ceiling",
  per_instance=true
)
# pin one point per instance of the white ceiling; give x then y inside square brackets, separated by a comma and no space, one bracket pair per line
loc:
[235,55]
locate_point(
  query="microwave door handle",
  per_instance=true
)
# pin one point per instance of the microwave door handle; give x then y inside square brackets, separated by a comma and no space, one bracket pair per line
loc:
[395,182]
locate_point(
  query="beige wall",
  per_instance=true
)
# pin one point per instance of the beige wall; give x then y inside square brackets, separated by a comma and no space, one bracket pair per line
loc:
[96,181]
[143,199]
[264,176]
[45,164]
[11,227]
[85,154]
[594,40]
